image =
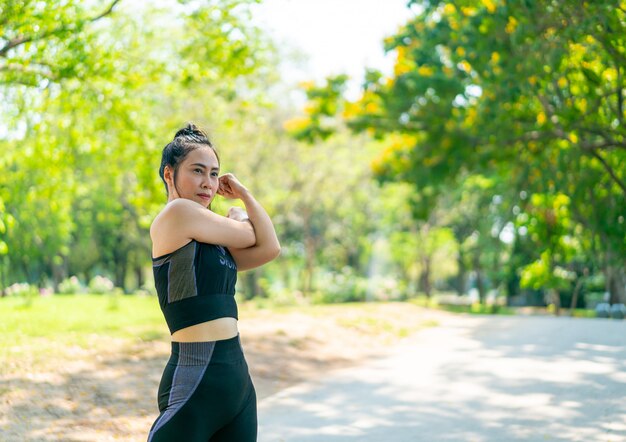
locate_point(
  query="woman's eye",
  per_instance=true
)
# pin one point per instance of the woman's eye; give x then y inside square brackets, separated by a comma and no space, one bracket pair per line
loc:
[195,170]
[214,174]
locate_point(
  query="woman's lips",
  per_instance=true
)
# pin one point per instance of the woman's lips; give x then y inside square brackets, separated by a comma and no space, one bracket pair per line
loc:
[204,196]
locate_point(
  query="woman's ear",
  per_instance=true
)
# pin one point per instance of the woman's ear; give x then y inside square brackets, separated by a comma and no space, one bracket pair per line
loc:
[168,176]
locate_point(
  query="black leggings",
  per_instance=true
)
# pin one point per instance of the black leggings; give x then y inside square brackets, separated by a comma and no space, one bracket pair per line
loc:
[206,394]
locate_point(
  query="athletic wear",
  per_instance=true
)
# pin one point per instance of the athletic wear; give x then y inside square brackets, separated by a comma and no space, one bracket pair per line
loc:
[206,395]
[195,283]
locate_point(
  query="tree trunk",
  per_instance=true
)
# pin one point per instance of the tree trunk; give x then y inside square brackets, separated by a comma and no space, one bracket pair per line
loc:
[572,306]
[554,298]
[139,275]
[120,272]
[460,279]
[58,274]
[615,285]
[251,284]
[309,247]
[480,285]
[425,277]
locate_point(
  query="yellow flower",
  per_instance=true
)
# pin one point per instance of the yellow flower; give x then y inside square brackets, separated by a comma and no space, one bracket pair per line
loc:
[372,107]
[511,25]
[425,71]
[296,124]
[562,82]
[464,65]
[460,51]
[490,5]
[307,85]
[541,118]
[401,69]
[609,74]
[495,57]
[468,12]
[449,9]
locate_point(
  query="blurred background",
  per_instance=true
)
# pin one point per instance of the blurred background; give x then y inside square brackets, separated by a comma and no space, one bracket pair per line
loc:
[470,148]
[463,155]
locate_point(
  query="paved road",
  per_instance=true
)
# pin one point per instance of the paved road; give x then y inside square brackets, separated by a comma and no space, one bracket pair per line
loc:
[469,379]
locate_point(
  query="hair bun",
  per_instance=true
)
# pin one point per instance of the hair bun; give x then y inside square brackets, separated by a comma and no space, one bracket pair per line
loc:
[193,133]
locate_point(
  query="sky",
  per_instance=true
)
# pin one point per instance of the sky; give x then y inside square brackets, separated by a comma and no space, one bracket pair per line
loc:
[334,36]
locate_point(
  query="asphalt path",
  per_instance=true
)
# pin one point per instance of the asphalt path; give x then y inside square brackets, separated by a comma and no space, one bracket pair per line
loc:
[471,378]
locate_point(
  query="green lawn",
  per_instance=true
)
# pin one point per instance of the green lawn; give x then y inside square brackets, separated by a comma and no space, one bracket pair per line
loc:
[44,330]
[55,316]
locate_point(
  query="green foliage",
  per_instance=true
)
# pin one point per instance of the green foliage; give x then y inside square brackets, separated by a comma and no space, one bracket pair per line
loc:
[100,285]
[338,287]
[71,286]
[541,274]
[92,94]
[525,95]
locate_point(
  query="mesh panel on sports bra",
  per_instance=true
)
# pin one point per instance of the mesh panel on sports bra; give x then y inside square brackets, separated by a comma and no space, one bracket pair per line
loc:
[195,283]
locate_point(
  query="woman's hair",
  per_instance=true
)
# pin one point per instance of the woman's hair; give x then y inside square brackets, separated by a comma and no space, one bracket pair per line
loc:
[186,139]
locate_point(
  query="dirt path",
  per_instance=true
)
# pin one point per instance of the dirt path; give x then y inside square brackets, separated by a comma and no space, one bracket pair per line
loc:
[108,395]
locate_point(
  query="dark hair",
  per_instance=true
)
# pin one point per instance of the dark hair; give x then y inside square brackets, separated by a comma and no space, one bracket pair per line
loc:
[186,139]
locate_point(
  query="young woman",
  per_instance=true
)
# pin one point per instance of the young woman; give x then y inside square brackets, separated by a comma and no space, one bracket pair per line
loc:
[205,393]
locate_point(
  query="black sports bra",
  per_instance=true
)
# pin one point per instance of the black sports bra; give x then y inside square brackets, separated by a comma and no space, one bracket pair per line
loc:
[195,283]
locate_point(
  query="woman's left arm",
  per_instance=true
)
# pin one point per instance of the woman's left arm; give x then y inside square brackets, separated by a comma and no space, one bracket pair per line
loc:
[267,246]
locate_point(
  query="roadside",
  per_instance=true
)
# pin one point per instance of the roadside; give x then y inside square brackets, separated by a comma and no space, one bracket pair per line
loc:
[106,389]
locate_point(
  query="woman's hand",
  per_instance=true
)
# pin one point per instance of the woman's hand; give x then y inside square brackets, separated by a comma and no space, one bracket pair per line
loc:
[237,213]
[230,187]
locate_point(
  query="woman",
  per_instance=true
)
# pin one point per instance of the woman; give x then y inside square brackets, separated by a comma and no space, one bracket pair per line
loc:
[205,393]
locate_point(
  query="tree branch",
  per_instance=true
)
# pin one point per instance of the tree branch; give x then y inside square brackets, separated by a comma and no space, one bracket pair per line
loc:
[609,170]
[15,67]
[23,39]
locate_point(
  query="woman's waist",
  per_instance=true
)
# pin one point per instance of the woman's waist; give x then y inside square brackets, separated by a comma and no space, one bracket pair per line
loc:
[213,330]
[221,351]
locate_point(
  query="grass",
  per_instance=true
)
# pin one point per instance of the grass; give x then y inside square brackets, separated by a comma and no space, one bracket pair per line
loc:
[54,316]
[476,308]
[38,328]
[38,331]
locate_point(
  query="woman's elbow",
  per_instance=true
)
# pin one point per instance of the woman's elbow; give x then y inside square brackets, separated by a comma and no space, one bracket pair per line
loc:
[248,237]
[276,252]
[250,241]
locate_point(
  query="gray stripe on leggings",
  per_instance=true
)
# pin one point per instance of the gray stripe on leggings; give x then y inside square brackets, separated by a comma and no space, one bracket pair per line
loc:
[193,359]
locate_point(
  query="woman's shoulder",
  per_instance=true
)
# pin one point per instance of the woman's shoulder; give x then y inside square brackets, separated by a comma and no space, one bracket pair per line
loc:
[163,230]
[177,208]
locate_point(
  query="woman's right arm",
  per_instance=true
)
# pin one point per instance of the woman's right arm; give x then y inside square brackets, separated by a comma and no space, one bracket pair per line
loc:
[193,221]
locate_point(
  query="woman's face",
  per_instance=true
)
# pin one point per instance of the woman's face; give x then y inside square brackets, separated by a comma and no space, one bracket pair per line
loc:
[197,177]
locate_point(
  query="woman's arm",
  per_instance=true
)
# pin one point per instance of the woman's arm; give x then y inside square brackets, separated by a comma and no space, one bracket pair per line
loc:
[267,246]
[190,219]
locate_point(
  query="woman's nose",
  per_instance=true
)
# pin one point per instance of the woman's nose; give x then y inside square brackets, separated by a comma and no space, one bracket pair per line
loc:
[208,183]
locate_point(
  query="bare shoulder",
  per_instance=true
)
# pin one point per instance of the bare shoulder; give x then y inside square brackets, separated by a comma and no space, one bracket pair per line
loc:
[182,220]
[165,236]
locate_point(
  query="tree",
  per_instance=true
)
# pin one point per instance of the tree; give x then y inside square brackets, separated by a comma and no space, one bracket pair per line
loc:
[530,93]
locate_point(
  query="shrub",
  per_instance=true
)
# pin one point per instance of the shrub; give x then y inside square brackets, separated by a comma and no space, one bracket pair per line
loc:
[23,290]
[70,286]
[20,289]
[343,286]
[101,285]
